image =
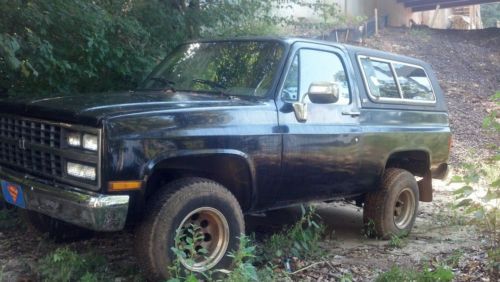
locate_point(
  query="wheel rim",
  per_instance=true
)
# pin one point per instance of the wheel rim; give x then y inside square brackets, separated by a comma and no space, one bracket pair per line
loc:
[404,208]
[209,230]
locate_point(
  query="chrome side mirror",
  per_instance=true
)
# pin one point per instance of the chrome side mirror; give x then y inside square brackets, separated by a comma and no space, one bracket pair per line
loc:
[323,92]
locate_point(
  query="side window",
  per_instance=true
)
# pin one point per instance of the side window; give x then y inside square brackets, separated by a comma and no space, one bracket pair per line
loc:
[396,80]
[313,66]
[414,83]
[380,79]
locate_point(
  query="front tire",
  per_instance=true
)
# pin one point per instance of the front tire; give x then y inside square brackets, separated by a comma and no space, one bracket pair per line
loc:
[392,209]
[196,208]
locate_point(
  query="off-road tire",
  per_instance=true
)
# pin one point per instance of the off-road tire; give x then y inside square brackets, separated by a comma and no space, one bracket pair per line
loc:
[379,211]
[166,211]
[56,230]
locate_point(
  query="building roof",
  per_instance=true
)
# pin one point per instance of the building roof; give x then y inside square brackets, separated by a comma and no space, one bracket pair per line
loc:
[426,5]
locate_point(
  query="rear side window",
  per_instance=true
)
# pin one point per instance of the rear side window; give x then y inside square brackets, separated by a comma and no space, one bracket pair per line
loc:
[396,82]
[415,84]
[380,79]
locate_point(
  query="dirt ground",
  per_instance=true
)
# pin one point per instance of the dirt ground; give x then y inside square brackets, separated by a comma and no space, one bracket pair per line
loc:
[468,67]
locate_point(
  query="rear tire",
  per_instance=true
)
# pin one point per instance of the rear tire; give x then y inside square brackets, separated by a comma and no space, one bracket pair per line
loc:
[180,205]
[57,230]
[393,208]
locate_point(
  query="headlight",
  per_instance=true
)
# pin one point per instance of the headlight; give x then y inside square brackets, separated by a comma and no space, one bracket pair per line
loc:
[74,139]
[90,142]
[81,171]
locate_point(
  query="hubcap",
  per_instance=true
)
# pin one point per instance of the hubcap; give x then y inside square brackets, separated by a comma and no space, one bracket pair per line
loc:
[204,238]
[404,208]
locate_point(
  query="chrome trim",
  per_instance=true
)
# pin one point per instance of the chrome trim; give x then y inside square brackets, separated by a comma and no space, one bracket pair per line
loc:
[76,206]
[402,101]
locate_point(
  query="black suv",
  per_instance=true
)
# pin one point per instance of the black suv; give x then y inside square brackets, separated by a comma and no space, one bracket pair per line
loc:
[228,127]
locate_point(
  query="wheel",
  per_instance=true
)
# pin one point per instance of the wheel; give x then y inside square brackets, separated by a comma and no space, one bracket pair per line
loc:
[56,230]
[207,219]
[393,208]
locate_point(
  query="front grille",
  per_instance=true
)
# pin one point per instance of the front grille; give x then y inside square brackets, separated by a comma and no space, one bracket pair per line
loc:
[34,132]
[30,146]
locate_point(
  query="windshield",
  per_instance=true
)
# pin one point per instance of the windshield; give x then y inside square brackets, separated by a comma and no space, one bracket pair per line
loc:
[240,68]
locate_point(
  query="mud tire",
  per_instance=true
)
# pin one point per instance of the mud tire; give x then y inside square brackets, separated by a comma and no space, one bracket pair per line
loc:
[380,211]
[155,236]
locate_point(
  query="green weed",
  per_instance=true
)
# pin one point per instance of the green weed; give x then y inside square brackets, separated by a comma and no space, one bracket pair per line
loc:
[300,240]
[66,265]
[397,241]
[440,274]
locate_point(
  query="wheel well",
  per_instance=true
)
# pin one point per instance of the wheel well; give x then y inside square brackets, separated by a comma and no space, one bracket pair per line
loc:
[416,162]
[232,172]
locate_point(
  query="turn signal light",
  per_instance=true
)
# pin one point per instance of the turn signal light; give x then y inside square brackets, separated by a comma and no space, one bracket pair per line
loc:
[118,186]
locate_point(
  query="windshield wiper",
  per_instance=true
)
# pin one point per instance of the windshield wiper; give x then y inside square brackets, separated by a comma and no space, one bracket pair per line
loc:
[216,86]
[169,84]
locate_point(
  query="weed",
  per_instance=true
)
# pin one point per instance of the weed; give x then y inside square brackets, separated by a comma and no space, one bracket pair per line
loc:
[66,265]
[346,278]
[244,270]
[441,273]
[186,249]
[454,258]
[397,241]
[300,240]
[369,229]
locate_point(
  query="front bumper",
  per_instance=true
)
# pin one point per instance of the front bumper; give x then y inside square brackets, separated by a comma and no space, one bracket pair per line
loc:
[70,204]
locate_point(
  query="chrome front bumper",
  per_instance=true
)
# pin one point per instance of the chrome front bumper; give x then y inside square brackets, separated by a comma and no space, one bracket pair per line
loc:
[83,208]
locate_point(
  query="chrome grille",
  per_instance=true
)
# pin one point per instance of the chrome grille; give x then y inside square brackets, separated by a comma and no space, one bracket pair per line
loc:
[30,146]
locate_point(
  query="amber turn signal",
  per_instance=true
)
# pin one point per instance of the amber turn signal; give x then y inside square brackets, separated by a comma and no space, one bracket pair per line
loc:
[117,186]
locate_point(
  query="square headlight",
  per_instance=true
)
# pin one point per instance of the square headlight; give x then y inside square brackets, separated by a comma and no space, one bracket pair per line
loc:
[90,142]
[81,171]
[74,139]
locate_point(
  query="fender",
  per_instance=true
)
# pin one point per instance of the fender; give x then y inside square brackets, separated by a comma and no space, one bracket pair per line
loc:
[149,168]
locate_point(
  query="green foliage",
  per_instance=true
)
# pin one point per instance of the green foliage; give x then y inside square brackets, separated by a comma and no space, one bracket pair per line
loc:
[61,46]
[490,14]
[66,265]
[397,241]
[441,273]
[244,270]
[300,240]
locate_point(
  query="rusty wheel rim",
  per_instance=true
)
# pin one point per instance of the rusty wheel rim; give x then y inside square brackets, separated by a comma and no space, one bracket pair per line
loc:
[210,232]
[404,208]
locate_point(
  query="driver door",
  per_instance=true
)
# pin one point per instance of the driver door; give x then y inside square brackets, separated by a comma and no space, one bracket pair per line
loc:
[321,152]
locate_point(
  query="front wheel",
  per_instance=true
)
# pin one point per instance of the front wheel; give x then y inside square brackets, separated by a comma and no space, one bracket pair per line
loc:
[192,221]
[392,209]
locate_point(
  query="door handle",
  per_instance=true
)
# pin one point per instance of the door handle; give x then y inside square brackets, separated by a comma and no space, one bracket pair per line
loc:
[352,114]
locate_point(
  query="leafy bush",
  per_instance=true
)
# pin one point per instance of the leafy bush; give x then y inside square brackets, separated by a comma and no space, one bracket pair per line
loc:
[66,265]
[61,46]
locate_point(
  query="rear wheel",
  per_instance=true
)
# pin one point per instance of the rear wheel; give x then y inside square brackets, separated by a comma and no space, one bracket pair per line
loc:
[392,209]
[195,221]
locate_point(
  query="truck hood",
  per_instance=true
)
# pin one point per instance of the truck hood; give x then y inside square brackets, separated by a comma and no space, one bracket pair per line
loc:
[91,109]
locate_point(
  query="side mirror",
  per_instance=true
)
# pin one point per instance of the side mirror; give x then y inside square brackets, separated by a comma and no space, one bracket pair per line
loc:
[323,92]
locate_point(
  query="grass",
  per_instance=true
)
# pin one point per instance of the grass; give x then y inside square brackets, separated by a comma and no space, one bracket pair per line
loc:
[65,264]
[439,274]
